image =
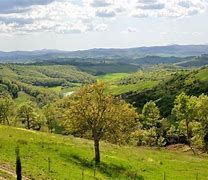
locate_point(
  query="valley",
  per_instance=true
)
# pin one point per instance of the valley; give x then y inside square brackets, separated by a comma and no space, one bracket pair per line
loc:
[156,145]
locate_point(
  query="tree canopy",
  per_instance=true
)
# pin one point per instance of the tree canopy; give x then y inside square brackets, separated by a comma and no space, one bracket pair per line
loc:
[91,111]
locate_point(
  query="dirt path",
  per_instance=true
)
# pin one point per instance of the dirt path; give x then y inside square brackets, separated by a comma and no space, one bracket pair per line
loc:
[10,172]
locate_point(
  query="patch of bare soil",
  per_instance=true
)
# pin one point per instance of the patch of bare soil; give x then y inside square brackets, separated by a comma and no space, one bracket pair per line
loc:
[7,169]
[178,147]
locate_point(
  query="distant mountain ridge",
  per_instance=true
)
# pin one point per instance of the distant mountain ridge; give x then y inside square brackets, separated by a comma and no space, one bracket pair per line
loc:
[45,54]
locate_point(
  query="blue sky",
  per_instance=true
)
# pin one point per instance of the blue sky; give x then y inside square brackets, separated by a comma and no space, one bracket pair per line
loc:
[85,24]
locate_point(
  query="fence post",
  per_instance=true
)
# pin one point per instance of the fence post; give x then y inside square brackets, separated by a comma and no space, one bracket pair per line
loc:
[164,176]
[49,164]
[197,176]
[83,174]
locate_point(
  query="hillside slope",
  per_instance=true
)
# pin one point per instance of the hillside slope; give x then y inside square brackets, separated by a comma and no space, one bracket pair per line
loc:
[191,82]
[70,157]
[51,75]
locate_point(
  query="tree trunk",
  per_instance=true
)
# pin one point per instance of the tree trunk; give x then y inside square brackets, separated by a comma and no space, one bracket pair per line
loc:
[97,150]
[188,137]
[28,122]
[187,133]
[7,120]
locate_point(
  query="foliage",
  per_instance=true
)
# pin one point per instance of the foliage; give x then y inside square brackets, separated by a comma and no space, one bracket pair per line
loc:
[164,94]
[202,116]
[153,127]
[6,107]
[184,110]
[51,115]
[104,116]
[29,115]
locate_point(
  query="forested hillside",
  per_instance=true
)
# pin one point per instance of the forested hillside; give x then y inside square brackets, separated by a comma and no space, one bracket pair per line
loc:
[193,82]
[45,75]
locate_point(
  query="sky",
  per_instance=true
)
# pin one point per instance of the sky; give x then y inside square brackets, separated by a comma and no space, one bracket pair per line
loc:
[85,24]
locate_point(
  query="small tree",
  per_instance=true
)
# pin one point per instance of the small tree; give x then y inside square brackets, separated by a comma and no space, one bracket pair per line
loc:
[6,105]
[150,120]
[30,116]
[185,110]
[18,165]
[51,116]
[202,117]
[150,115]
[105,117]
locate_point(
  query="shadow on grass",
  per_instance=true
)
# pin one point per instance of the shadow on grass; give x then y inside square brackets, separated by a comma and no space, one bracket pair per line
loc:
[110,170]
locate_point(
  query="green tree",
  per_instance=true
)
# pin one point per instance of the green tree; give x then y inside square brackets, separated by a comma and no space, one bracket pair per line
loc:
[150,115]
[103,116]
[29,115]
[151,122]
[51,115]
[202,116]
[6,104]
[185,110]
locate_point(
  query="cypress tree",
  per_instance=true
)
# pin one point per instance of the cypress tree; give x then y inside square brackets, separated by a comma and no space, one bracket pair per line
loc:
[18,165]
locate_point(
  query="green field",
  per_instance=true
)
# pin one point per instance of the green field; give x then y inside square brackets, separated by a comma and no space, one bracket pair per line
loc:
[203,75]
[111,77]
[70,157]
[121,89]
[22,97]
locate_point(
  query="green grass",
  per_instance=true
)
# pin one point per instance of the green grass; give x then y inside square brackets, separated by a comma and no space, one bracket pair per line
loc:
[70,156]
[203,75]
[56,89]
[121,89]
[22,97]
[111,77]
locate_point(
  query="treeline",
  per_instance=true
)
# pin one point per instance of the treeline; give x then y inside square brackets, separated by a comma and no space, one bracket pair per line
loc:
[152,74]
[7,86]
[92,114]
[45,75]
[40,95]
[188,123]
[28,114]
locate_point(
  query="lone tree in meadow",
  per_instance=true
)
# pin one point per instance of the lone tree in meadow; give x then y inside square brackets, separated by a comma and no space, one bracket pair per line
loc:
[92,111]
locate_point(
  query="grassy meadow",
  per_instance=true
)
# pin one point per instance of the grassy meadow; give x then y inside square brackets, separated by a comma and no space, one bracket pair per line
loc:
[72,158]
[110,77]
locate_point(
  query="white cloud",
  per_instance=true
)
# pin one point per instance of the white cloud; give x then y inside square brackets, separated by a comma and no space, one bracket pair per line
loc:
[101,28]
[64,16]
[101,3]
[168,8]
[130,30]
[105,13]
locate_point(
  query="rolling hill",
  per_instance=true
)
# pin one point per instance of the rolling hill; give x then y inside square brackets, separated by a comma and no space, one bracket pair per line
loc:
[72,158]
[193,82]
[54,75]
